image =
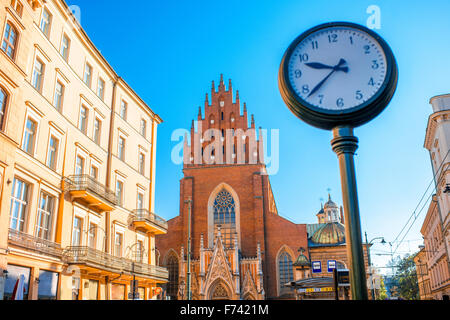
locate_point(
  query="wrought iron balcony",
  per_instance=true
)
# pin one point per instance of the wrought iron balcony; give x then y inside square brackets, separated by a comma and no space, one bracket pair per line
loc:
[35,244]
[144,220]
[89,191]
[95,261]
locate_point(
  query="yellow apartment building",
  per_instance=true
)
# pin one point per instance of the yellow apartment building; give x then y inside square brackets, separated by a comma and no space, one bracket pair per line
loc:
[436,226]
[77,164]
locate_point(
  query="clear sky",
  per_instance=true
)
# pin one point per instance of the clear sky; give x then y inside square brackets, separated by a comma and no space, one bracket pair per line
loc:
[170,51]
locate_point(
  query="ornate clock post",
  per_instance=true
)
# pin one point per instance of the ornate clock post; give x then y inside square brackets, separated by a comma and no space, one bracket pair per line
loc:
[338,76]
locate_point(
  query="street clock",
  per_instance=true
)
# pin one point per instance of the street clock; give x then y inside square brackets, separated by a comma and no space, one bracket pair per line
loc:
[338,74]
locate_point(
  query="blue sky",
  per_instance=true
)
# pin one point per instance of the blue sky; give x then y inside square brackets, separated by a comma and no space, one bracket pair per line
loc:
[170,51]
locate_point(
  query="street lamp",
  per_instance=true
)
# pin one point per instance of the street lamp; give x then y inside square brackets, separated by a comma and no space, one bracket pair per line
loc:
[368,258]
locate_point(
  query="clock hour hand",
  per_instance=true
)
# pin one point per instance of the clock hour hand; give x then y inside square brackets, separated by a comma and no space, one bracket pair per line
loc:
[338,67]
[317,65]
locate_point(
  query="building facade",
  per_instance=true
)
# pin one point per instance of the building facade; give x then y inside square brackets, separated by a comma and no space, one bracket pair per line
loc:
[423,278]
[77,164]
[240,247]
[327,251]
[436,226]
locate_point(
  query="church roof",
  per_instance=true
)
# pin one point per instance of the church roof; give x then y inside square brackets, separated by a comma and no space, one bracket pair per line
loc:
[330,203]
[332,233]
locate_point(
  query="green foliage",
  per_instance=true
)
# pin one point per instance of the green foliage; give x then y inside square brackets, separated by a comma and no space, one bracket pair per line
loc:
[406,278]
[382,293]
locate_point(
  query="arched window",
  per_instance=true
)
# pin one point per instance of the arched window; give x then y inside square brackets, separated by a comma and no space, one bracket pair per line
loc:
[172,285]
[9,42]
[285,269]
[3,101]
[225,216]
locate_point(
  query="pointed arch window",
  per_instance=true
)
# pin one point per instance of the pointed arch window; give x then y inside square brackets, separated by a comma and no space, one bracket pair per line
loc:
[285,273]
[225,217]
[172,286]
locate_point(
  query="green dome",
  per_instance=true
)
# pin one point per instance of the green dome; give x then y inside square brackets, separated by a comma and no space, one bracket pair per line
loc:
[330,233]
[302,261]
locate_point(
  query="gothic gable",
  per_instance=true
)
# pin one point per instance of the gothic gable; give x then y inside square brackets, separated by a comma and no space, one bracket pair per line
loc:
[219,268]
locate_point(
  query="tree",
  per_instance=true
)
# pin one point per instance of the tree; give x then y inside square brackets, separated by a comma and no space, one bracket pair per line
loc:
[405,277]
[382,294]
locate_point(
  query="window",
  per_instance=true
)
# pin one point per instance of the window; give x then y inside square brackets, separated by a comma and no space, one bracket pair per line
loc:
[93,290]
[139,251]
[94,172]
[19,204]
[172,286]
[44,217]
[82,123]
[97,130]
[17,6]
[46,21]
[121,149]
[118,244]
[225,216]
[119,192]
[141,163]
[140,201]
[59,95]
[123,110]
[52,153]
[29,136]
[79,166]
[76,232]
[9,43]
[88,75]
[65,45]
[285,269]
[101,88]
[38,74]
[3,101]
[143,128]
[14,273]
[92,236]
[48,285]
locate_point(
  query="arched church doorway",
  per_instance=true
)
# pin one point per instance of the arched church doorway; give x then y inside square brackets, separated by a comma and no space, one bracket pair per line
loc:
[219,291]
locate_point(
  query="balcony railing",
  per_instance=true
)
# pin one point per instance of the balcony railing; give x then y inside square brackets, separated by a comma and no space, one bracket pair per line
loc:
[36,244]
[88,188]
[101,260]
[145,216]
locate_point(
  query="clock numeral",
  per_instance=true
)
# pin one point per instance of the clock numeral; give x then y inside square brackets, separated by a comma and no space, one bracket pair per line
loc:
[305,89]
[321,96]
[298,74]
[367,49]
[371,82]
[359,95]
[332,38]
[340,102]
[375,64]
[315,45]
[304,57]
[351,40]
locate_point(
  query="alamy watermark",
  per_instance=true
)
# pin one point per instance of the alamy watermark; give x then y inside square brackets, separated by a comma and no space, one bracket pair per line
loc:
[227,147]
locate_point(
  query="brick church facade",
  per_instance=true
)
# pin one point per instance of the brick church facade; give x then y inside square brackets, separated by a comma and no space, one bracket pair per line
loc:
[240,247]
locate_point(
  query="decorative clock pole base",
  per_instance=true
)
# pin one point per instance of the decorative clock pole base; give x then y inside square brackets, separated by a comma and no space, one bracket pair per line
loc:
[345,144]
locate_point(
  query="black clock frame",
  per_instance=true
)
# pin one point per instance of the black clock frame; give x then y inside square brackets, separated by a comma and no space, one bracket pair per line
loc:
[353,117]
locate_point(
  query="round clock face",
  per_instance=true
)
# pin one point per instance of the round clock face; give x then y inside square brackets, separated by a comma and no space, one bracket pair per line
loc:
[337,68]
[338,74]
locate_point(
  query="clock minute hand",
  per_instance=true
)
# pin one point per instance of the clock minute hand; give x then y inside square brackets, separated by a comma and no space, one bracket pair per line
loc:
[338,67]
